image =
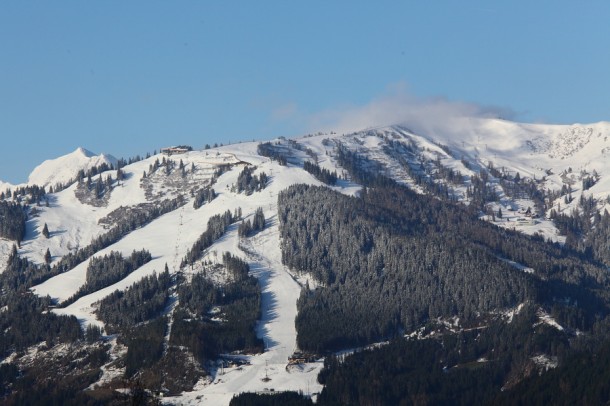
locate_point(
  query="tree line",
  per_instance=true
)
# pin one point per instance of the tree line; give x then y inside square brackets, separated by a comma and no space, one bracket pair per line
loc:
[249,183]
[12,221]
[391,259]
[476,367]
[248,228]
[216,227]
[108,270]
[322,174]
[142,301]
[270,151]
[379,274]
[26,195]
[25,322]
[203,196]
[232,327]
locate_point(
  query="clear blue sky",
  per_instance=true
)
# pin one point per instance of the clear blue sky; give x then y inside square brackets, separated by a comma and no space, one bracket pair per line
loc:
[127,77]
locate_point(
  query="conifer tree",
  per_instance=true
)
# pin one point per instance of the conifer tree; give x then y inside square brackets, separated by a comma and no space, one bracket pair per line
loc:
[99,189]
[45,231]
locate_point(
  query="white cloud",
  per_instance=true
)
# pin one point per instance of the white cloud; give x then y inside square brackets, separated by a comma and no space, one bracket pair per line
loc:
[284,112]
[397,106]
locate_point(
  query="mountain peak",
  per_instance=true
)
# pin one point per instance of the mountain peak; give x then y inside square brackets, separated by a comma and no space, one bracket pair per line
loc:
[65,168]
[85,152]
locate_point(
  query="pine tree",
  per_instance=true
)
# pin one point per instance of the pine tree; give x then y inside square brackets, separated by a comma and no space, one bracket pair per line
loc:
[93,333]
[47,257]
[99,189]
[45,231]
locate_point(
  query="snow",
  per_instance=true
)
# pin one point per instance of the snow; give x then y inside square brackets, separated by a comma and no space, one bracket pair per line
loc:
[5,250]
[279,294]
[511,313]
[71,225]
[110,371]
[5,185]
[65,168]
[170,236]
[547,319]
[517,265]
[276,327]
[540,152]
[533,150]
[545,362]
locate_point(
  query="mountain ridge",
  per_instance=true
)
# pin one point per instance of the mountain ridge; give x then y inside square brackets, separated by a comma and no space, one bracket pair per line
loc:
[486,165]
[65,168]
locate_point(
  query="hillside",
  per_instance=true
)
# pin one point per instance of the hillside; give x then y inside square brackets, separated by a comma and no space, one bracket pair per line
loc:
[65,168]
[503,219]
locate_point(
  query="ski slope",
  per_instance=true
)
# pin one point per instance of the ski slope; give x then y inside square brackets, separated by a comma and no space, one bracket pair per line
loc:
[170,236]
[552,154]
[268,371]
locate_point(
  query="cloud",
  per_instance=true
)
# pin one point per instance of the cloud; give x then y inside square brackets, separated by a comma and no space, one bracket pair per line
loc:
[397,106]
[284,112]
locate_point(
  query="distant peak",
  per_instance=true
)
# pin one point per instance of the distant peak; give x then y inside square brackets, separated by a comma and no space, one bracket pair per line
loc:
[85,152]
[65,168]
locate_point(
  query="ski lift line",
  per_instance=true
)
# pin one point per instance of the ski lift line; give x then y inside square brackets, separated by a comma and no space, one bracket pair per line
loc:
[174,294]
[178,238]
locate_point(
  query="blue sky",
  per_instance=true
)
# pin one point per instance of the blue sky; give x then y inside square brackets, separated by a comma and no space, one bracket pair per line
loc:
[126,78]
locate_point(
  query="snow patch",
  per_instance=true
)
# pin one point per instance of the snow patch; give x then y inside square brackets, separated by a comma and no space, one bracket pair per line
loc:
[545,362]
[546,318]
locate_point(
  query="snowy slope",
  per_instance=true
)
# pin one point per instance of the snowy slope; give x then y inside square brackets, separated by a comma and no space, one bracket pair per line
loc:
[550,155]
[531,149]
[65,168]
[5,185]
[556,153]
[169,238]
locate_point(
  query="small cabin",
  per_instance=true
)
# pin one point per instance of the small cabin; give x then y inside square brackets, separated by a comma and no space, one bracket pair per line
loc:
[180,149]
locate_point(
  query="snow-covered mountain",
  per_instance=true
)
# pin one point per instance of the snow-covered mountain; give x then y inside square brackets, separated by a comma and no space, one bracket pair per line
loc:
[5,185]
[63,169]
[562,159]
